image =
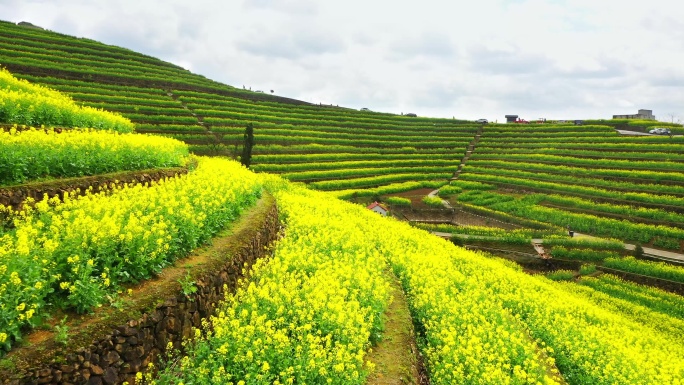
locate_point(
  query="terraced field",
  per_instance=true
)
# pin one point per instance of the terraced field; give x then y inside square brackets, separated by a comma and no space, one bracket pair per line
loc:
[311,311]
[329,147]
[588,178]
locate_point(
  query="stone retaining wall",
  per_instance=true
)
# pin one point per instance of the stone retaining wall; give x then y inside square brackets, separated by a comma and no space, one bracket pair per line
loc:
[15,196]
[117,352]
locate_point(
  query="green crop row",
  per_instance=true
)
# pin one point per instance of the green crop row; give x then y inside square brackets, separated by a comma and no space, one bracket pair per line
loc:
[532,130]
[573,184]
[169,127]
[93,67]
[391,188]
[433,201]
[597,244]
[340,173]
[62,49]
[651,269]
[265,139]
[593,163]
[375,181]
[527,208]
[126,109]
[277,114]
[518,234]
[535,135]
[587,255]
[283,160]
[87,87]
[646,154]
[16,33]
[636,197]
[111,74]
[320,149]
[29,155]
[380,130]
[345,132]
[398,201]
[163,119]
[638,212]
[471,185]
[570,141]
[241,119]
[200,99]
[317,165]
[60,57]
[675,148]
[450,190]
[590,173]
[508,218]
[297,131]
[126,100]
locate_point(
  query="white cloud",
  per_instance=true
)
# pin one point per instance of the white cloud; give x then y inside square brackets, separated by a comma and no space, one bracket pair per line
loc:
[551,58]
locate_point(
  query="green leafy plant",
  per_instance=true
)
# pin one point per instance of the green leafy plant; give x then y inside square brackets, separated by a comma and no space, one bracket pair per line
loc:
[188,285]
[587,269]
[62,331]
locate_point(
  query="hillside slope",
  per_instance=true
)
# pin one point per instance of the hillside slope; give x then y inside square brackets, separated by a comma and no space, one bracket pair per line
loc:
[165,99]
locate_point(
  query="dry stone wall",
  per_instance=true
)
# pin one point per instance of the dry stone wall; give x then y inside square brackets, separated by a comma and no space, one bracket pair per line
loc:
[118,351]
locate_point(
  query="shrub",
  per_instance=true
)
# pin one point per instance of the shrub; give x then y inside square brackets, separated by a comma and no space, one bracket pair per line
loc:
[638,251]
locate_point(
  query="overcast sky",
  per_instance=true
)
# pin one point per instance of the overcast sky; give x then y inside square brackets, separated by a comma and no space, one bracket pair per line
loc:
[469,59]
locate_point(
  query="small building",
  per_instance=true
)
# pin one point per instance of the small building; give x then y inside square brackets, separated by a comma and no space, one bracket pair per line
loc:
[642,115]
[378,208]
[511,118]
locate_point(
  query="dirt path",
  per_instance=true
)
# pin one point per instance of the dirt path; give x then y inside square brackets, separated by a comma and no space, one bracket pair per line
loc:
[469,152]
[396,357]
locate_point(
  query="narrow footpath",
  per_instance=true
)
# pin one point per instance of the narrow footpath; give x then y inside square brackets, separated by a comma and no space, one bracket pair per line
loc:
[469,152]
[396,357]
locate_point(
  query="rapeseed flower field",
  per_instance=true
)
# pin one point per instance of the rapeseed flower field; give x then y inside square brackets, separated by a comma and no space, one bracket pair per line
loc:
[37,153]
[73,252]
[22,102]
[309,313]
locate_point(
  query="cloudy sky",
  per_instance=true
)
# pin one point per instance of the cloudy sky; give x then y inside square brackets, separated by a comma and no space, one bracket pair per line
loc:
[558,59]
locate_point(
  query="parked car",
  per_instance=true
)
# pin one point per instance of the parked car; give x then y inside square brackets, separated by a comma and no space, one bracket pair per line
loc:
[660,131]
[365,109]
[578,122]
[482,121]
[411,114]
